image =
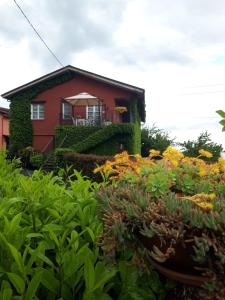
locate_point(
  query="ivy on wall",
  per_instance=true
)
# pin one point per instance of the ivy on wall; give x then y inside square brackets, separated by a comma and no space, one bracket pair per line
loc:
[106,140]
[71,135]
[137,124]
[21,131]
[20,125]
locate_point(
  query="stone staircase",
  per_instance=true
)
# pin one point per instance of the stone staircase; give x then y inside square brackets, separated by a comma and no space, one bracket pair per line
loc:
[49,164]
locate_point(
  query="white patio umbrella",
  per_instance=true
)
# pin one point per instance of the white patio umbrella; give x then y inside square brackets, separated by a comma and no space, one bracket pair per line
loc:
[83,99]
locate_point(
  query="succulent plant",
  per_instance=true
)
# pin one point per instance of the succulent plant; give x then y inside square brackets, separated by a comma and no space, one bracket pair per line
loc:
[177,202]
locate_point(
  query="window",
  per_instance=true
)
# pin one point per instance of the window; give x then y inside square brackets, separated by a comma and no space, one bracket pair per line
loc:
[37,111]
[94,112]
[66,110]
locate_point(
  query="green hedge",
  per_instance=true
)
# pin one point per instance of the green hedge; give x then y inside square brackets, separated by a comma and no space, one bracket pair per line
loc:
[84,163]
[107,140]
[73,134]
[20,125]
[21,132]
[110,136]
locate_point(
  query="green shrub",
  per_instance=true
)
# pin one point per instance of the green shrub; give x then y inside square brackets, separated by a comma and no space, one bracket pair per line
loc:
[192,147]
[154,138]
[67,136]
[84,163]
[37,160]
[49,243]
[107,140]
[60,156]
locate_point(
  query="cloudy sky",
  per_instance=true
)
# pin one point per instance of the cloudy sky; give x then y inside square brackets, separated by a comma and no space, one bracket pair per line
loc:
[173,49]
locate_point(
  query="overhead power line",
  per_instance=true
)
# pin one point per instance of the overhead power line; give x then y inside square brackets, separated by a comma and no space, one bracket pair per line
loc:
[38,34]
[204,85]
[201,93]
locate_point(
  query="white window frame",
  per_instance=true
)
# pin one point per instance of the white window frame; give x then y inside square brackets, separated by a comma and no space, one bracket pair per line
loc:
[65,117]
[38,105]
[96,113]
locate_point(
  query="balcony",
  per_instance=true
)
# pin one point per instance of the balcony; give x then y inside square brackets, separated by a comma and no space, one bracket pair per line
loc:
[104,118]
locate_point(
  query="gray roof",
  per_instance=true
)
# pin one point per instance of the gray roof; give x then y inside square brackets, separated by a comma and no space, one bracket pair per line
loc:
[51,75]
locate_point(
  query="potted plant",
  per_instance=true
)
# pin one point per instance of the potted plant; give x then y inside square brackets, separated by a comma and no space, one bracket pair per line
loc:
[174,207]
[121,109]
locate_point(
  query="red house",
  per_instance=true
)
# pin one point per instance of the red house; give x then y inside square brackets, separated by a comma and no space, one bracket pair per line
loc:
[4,127]
[69,96]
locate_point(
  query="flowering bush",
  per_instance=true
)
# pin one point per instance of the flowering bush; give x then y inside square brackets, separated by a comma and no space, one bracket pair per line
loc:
[177,202]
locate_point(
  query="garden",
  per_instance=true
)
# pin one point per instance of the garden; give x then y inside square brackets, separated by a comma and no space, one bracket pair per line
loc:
[152,228]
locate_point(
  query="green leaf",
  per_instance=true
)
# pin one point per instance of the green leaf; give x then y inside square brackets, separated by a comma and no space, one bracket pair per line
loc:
[222,122]
[17,282]
[7,294]
[49,281]
[102,275]
[221,113]
[6,291]
[91,233]
[89,274]
[34,235]
[16,254]
[33,285]
[43,258]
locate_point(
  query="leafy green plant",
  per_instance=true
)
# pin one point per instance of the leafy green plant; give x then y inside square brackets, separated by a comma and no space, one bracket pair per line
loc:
[50,237]
[154,138]
[37,160]
[222,122]
[191,147]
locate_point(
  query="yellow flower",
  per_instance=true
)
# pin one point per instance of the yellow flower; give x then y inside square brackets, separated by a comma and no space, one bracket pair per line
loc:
[202,172]
[98,169]
[212,196]
[221,164]
[153,153]
[205,205]
[214,169]
[205,153]
[173,155]
[170,151]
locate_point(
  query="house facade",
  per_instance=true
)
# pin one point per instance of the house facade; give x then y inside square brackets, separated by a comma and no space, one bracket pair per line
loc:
[4,127]
[38,107]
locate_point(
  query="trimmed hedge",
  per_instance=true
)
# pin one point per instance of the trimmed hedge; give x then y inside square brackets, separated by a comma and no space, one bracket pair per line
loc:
[136,142]
[104,135]
[84,163]
[105,140]
[20,125]
[74,134]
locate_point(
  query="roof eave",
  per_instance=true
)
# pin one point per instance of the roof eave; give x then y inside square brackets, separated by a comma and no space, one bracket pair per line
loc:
[56,73]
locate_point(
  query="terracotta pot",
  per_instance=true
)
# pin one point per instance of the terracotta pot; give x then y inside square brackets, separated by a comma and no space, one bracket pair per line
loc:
[181,266]
[190,279]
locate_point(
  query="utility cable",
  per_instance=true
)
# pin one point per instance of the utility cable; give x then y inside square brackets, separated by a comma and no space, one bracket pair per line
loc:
[38,34]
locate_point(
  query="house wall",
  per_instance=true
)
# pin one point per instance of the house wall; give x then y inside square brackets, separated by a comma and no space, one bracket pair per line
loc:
[43,130]
[4,130]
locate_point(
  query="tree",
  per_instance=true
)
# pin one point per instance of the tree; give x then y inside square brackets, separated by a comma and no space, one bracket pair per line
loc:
[154,138]
[192,147]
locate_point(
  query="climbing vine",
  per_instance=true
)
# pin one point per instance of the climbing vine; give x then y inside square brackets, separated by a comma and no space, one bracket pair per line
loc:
[21,131]
[137,123]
